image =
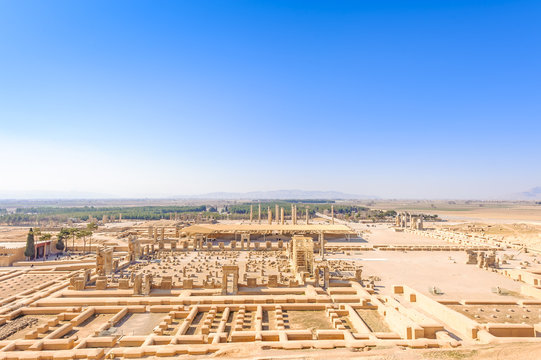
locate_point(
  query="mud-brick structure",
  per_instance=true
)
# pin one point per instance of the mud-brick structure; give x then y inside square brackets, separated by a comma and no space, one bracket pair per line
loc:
[203,289]
[301,254]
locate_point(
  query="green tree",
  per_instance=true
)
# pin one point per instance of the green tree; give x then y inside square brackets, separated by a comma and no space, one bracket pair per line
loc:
[79,235]
[60,245]
[82,234]
[91,227]
[62,234]
[46,237]
[73,233]
[37,233]
[30,251]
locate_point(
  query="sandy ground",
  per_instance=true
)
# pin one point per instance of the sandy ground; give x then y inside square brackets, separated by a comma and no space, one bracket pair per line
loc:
[423,270]
[382,234]
[497,212]
[139,324]
[299,320]
[501,313]
[516,351]
[519,233]
[13,233]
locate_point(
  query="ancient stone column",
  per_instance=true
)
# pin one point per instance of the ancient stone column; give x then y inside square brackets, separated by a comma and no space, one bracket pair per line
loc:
[138,284]
[307,216]
[251,213]
[292,211]
[273,281]
[322,244]
[269,215]
[104,261]
[332,214]
[236,282]
[358,274]
[224,282]
[282,216]
[326,277]
[276,214]
[259,215]
[147,284]
[472,257]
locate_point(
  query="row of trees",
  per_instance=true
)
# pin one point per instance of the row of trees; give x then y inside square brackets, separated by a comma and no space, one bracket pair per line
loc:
[45,214]
[53,214]
[63,236]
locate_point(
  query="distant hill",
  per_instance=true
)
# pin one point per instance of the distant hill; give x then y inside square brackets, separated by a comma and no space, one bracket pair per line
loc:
[254,195]
[48,195]
[281,195]
[532,194]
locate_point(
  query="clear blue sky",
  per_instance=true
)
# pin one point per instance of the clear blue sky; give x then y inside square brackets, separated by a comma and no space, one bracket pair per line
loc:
[430,99]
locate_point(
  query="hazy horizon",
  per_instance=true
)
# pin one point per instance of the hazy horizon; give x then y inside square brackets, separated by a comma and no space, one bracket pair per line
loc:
[393,99]
[533,195]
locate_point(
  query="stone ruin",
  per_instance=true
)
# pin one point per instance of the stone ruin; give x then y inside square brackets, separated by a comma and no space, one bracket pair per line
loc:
[104,261]
[482,259]
[134,248]
[415,222]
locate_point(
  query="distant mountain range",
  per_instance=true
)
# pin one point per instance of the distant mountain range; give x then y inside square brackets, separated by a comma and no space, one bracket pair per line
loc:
[281,195]
[254,195]
[36,195]
[532,194]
